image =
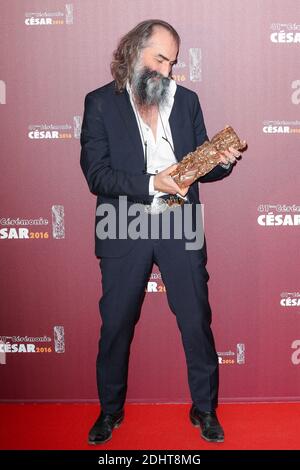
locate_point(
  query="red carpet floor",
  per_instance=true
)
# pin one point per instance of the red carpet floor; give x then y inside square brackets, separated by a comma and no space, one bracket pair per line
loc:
[65,426]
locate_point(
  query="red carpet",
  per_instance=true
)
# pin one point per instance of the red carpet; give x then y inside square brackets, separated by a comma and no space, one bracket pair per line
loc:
[65,426]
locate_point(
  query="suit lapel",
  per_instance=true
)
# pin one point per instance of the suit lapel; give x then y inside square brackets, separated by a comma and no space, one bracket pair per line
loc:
[176,126]
[129,119]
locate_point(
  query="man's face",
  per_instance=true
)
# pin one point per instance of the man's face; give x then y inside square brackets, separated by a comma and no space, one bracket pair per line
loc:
[151,75]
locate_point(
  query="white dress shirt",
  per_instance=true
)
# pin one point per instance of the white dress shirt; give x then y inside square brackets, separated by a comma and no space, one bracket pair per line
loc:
[159,152]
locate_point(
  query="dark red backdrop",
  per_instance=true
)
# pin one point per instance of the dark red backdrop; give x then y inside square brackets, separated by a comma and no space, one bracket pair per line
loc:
[242,58]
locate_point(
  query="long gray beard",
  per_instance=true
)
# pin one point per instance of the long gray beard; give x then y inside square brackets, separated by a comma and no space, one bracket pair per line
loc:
[149,87]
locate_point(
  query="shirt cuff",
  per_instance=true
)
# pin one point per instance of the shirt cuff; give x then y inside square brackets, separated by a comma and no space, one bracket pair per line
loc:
[225,165]
[152,191]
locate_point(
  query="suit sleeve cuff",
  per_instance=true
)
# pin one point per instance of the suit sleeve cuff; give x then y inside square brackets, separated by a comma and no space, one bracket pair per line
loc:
[152,191]
[225,165]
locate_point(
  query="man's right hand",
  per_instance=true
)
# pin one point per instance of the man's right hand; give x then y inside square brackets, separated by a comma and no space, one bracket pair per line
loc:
[164,182]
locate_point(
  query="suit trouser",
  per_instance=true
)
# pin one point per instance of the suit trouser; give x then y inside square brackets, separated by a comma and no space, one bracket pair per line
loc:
[123,284]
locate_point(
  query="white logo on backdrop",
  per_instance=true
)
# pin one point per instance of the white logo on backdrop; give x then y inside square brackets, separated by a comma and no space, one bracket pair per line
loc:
[30,228]
[281,127]
[295,357]
[278,214]
[290,299]
[296,94]
[32,344]
[56,131]
[285,33]
[2,92]
[231,357]
[51,18]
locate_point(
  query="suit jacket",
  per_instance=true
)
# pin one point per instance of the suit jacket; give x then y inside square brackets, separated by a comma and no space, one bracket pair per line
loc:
[112,155]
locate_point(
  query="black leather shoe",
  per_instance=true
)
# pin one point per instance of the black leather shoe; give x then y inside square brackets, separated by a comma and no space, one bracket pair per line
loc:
[102,430]
[211,429]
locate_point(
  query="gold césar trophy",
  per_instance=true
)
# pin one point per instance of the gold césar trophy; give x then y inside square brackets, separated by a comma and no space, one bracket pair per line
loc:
[205,157]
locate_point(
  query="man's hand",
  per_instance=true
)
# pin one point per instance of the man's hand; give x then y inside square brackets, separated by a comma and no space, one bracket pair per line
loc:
[230,156]
[164,182]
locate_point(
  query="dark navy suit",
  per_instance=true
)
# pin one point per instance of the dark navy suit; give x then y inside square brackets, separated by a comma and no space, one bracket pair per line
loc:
[112,160]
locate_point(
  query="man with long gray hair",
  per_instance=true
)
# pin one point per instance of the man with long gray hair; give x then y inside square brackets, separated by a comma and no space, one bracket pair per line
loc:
[134,132]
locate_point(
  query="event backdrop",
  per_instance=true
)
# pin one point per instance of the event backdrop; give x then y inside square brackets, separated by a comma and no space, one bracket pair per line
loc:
[242,58]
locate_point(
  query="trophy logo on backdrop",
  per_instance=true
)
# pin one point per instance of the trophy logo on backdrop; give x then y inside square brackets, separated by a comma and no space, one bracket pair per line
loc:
[58,221]
[69,13]
[77,122]
[240,353]
[195,62]
[59,339]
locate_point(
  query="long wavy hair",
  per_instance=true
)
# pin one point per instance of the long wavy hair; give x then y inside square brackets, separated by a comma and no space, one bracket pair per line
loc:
[129,48]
